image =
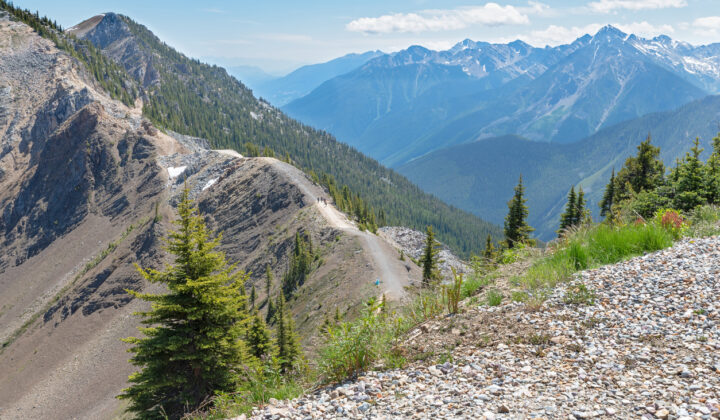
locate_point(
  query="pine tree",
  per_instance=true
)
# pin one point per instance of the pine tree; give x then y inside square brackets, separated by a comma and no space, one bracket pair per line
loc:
[690,189]
[580,213]
[430,257]
[300,264]
[271,311]
[517,230]
[643,172]
[567,219]
[607,201]
[713,172]
[268,281]
[338,317]
[193,344]
[253,296]
[287,340]
[489,252]
[258,338]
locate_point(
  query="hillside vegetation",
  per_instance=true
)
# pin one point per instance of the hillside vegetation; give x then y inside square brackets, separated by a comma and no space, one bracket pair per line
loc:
[483,172]
[204,101]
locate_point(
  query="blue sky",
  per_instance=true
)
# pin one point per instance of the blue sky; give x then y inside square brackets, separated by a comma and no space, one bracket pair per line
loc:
[279,36]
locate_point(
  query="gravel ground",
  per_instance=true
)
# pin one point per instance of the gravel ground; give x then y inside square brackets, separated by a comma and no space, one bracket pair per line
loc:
[648,348]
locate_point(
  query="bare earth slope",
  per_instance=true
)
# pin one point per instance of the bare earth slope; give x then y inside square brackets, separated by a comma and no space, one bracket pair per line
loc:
[81,177]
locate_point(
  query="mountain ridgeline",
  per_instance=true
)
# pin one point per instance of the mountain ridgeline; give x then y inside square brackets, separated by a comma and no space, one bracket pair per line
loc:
[417,100]
[479,176]
[189,97]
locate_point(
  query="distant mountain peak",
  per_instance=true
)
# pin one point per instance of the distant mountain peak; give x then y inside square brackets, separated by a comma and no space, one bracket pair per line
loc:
[609,32]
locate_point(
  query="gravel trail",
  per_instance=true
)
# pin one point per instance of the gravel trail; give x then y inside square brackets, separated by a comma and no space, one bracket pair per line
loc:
[648,348]
[392,273]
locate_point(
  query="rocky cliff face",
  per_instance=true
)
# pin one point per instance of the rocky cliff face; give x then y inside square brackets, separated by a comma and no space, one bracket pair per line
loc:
[112,35]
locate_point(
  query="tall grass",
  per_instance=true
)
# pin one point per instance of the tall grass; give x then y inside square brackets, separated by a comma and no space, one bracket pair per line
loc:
[352,347]
[705,221]
[592,247]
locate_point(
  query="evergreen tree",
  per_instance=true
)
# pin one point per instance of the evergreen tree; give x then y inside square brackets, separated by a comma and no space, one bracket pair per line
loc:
[268,281]
[271,311]
[516,228]
[193,344]
[300,264]
[287,340]
[580,213]
[567,219]
[713,172]
[326,325]
[430,257]
[644,172]
[253,296]
[691,182]
[489,252]
[607,200]
[258,337]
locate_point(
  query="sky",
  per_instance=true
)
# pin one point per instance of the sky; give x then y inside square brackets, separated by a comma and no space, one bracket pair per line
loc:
[279,36]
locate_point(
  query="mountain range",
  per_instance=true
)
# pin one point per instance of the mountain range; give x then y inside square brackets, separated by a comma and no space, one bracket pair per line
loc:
[417,100]
[447,118]
[298,83]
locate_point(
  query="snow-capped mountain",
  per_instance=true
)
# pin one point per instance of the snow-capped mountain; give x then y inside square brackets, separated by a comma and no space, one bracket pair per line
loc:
[399,106]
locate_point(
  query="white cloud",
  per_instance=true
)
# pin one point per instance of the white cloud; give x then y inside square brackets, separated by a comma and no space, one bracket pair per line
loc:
[705,27]
[607,6]
[556,35]
[645,29]
[491,14]
[709,22]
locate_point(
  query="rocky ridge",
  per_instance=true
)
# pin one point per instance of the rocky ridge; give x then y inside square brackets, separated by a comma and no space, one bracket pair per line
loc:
[648,348]
[412,242]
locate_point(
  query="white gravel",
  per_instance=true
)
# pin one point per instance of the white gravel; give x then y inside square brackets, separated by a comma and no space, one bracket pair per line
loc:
[648,348]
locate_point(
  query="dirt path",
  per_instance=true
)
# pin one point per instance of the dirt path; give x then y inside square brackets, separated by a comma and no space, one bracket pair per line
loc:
[391,272]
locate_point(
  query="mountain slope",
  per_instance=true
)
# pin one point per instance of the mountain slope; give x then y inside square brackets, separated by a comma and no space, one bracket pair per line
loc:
[87,189]
[204,101]
[479,176]
[397,84]
[282,90]
[559,94]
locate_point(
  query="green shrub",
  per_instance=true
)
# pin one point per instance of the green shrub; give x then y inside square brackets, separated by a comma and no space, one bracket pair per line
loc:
[704,221]
[352,347]
[494,297]
[672,221]
[427,305]
[452,293]
[263,383]
[579,295]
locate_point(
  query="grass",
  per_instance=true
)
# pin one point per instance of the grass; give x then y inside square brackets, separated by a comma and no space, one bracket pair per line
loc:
[264,383]
[705,221]
[593,247]
[477,281]
[354,346]
[494,297]
[579,295]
